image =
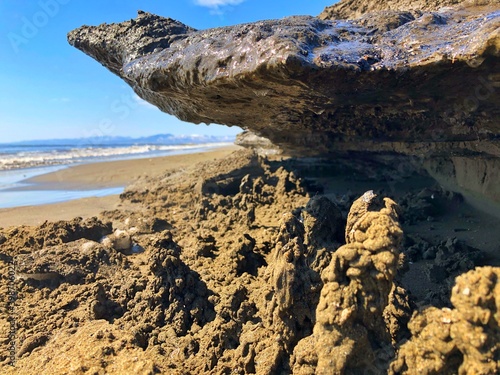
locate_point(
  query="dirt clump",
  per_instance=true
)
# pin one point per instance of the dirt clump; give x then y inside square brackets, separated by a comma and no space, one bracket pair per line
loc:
[464,339]
[26,238]
[350,331]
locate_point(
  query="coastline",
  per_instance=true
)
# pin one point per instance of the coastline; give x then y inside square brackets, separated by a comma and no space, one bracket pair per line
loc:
[94,177]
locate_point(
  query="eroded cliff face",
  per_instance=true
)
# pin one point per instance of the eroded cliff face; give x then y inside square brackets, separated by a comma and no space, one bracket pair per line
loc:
[368,84]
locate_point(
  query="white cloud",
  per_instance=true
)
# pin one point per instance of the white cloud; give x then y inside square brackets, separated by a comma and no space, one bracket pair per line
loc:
[138,100]
[215,4]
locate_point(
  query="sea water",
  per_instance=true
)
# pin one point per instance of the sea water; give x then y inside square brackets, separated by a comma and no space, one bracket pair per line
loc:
[18,163]
[29,156]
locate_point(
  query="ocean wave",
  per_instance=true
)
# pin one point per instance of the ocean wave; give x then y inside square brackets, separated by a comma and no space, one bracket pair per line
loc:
[44,157]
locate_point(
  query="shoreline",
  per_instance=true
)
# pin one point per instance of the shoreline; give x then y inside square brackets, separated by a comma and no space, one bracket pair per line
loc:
[43,156]
[94,177]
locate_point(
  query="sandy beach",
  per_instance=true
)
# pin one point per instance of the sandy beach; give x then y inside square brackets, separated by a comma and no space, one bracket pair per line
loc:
[97,176]
[229,252]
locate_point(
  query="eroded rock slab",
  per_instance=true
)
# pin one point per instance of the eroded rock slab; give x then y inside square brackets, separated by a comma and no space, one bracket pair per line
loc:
[307,84]
[350,9]
[457,336]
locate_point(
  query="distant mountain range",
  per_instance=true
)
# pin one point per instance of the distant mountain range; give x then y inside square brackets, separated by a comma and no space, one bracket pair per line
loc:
[158,139]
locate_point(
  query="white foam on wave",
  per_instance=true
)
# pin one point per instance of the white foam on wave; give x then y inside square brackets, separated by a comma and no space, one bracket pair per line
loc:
[29,159]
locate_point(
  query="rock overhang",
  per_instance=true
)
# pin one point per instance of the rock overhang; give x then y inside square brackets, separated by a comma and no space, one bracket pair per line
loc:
[425,84]
[301,81]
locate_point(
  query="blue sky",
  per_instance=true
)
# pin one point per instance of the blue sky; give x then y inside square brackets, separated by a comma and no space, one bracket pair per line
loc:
[48,89]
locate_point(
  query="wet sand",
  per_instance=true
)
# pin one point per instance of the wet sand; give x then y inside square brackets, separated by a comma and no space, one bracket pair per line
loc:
[96,176]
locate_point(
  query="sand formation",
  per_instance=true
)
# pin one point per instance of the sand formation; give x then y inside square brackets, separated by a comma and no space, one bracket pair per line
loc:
[238,267]
[251,264]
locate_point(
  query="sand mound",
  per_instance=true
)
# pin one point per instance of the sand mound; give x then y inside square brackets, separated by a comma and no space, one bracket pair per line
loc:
[239,266]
